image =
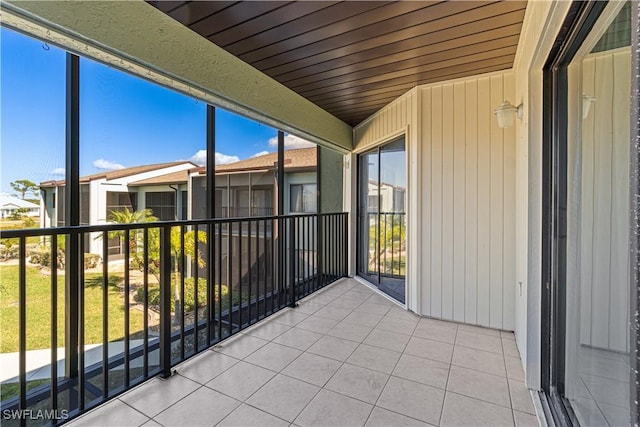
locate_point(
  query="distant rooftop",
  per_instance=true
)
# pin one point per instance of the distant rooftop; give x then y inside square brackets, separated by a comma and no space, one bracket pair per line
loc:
[116,174]
[299,158]
[11,201]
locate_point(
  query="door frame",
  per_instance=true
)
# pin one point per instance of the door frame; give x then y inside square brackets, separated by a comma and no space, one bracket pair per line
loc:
[355,202]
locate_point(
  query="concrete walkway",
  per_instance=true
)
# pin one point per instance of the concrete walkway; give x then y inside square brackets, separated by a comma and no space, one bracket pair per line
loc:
[39,361]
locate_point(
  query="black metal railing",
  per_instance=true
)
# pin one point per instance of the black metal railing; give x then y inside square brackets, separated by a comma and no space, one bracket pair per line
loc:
[387,244]
[179,288]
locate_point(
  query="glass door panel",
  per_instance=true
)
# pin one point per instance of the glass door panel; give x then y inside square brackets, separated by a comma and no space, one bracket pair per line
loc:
[382,218]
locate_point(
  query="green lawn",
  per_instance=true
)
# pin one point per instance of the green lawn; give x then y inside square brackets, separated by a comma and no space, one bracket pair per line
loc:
[39,309]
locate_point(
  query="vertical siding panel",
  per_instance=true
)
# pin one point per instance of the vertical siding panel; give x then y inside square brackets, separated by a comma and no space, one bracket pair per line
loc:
[471,206]
[620,203]
[447,200]
[509,225]
[425,241]
[436,201]
[459,200]
[602,196]
[485,117]
[497,208]
[587,205]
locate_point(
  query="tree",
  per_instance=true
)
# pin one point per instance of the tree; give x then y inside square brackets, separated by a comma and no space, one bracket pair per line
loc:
[127,216]
[24,186]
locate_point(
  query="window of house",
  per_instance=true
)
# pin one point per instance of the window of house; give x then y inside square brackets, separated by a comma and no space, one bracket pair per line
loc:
[117,202]
[185,201]
[303,198]
[162,204]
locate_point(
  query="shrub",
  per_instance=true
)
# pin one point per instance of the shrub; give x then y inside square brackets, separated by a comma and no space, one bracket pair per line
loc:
[189,294]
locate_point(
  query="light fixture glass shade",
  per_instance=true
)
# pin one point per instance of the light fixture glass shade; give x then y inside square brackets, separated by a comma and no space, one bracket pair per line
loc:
[506,114]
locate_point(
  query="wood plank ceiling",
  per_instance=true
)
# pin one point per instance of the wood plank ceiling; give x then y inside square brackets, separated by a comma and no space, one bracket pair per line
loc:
[352,58]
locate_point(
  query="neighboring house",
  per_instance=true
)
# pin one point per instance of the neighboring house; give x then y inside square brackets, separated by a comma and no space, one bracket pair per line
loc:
[159,187]
[249,187]
[10,204]
[176,191]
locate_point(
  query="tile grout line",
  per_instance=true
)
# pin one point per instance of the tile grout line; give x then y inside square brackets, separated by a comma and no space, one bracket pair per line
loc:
[444,398]
[513,415]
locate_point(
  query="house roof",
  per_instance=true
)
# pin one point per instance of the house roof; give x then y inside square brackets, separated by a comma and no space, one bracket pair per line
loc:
[352,58]
[10,201]
[299,158]
[116,174]
[179,177]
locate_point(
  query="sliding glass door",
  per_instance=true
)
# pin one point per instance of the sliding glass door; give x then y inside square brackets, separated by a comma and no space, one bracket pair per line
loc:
[382,250]
[588,356]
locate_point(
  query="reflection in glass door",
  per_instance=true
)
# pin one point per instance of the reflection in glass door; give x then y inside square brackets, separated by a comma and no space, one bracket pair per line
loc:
[382,250]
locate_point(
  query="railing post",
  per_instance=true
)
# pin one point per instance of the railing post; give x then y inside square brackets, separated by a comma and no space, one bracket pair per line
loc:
[345,247]
[292,261]
[165,301]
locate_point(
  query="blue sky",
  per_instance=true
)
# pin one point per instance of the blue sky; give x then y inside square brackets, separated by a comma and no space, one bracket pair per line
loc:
[124,120]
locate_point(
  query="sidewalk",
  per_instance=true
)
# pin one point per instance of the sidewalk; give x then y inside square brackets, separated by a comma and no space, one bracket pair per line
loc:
[39,361]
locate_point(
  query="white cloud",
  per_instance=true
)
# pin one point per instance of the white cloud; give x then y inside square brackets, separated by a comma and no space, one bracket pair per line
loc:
[107,165]
[58,171]
[200,158]
[291,141]
[262,153]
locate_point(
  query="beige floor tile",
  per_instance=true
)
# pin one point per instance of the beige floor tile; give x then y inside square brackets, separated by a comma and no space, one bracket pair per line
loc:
[521,397]
[376,358]
[245,415]
[384,418]
[488,387]
[350,331]
[273,356]
[379,299]
[507,335]
[346,303]
[267,331]
[412,399]
[206,366]
[479,360]
[388,340]
[312,368]
[525,420]
[429,349]
[333,348]
[298,338]
[514,368]
[436,332]
[151,423]
[365,319]
[314,323]
[425,371]
[309,307]
[509,348]
[156,395]
[358,292]
[397,312]
[290,317]
[479,330]
[331,409]
[283,397]
[241,380]
[241,346]
[398,326]
[334,313]
[111,414]
[479,341]
[373,308]
[462,411]
[203,407]
[357,382]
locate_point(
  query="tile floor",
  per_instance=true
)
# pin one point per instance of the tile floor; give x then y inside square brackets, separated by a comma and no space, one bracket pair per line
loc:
[345,357]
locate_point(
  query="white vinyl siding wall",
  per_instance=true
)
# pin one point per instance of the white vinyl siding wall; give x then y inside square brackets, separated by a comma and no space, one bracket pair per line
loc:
[464,256]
